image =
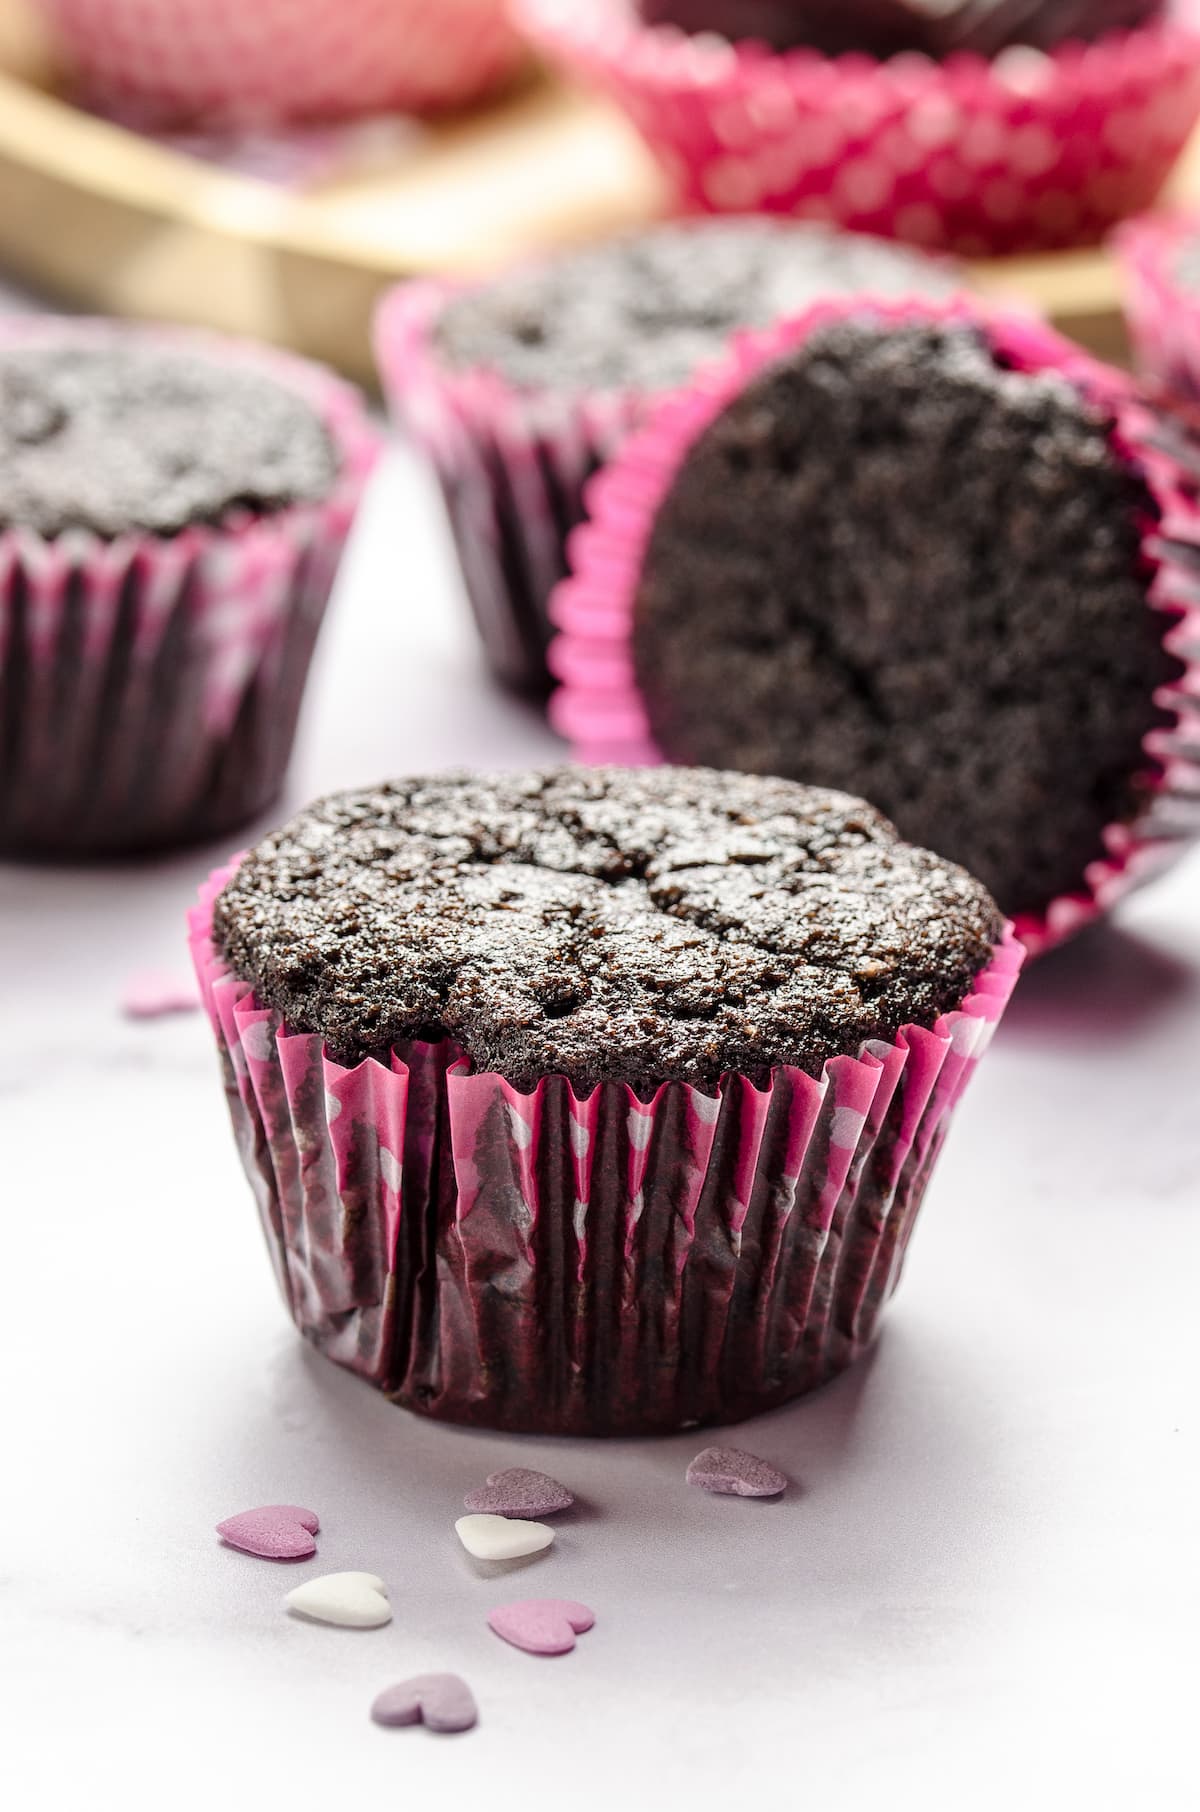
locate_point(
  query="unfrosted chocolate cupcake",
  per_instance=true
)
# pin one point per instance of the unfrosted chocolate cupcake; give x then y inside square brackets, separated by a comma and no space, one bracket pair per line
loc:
[616,1090]
[172,509]
[884,28]
[920,556]
[520,389]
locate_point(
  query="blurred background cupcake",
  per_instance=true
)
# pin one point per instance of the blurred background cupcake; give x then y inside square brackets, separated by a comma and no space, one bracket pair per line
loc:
[264,61]
[1159,259]
[976,127]
[173,508]
[923,552]
[594,1102]
[521,387]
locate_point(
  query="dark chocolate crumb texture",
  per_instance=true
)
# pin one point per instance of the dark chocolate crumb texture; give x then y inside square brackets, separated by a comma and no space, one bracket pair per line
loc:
[894,567]
[603,924]
[643,312]
[117,435]
[883,28]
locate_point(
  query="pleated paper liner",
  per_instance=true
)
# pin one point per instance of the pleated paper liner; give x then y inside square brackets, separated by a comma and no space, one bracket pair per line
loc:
[594,1265]
[599,707]
[150,685]
[1026,151]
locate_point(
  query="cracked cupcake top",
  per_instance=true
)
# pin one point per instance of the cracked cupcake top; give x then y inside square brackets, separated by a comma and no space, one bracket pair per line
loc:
[604,924]
[117,433]
[644,311]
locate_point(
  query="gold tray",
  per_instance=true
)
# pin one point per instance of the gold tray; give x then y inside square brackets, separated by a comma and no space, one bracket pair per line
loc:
[105,219]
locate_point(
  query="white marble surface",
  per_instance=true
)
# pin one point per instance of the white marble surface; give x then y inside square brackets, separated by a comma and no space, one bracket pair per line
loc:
[983,1594]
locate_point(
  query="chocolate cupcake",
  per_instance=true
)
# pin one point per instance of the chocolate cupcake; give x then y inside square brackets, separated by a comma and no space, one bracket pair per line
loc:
[521,388]
[929,554]
[885,28]
[979,127]
[172,512]
[594,1102]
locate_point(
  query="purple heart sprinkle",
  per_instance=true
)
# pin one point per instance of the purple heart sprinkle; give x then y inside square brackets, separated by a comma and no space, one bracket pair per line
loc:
[519,1493]
[731,1473]
[441,1702]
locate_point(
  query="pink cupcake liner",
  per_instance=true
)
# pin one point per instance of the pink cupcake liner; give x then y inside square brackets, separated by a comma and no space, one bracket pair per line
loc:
[592,1265]
[1026,151]
[271,60]
[599,707]
[150,686]
[512,466]
[1163,315]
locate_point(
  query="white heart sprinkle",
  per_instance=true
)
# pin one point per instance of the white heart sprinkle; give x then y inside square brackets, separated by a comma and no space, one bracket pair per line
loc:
[356,1601]
[502,1537]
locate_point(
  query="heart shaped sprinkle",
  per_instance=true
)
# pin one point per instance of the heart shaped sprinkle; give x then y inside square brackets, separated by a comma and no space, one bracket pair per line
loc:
[519,1492]
[500,1538]
[441,1702]
[153,993]
[274,1532]
[356,1601]
[731,1473]
[542,1626]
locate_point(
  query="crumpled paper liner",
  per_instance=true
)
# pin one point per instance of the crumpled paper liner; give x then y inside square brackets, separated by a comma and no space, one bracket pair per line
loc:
[586,1266]
[1023,152]
[150,686]
[599,707]
[262,61]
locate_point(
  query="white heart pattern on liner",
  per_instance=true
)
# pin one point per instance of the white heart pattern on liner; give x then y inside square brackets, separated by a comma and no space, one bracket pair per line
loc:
[356,1601]
[502,1537]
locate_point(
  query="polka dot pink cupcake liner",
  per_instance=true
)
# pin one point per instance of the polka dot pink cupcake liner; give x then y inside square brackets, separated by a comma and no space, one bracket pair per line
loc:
[599,707]
[1027,151]
[1162,309]
[512,466]
[696,1257]
[265,61]
[150,686]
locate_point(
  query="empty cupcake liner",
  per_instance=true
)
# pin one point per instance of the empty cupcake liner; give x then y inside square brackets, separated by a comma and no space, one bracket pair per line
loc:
[512,466]
[1162,312]
[256,61]
[586,1266]
[1026,151]
[599,708]
[150,686]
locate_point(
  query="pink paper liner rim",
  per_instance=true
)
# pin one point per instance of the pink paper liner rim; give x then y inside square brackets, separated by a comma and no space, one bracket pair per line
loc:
[598,706]
[361,60]
[864,1100]
[238,575]
[1162,315]
[738,125]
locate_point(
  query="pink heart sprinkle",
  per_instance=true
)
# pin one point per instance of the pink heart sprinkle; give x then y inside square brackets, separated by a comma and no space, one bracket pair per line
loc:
[519,1493]
[153,993]
[732,1473]
[274,1532]
[542,1626]
[441,1702]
